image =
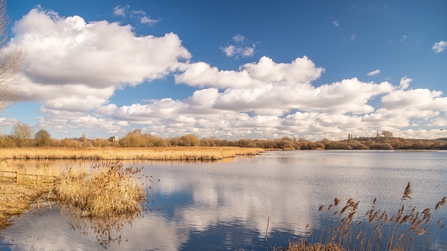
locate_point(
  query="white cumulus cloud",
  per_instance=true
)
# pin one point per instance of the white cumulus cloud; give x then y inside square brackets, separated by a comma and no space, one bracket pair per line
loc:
[439,46]
[67,58]
[266,71]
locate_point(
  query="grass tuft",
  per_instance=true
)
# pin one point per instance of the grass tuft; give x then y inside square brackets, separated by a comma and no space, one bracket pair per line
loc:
[109,189]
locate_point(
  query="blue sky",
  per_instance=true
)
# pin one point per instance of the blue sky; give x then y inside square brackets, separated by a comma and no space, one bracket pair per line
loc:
[231,69]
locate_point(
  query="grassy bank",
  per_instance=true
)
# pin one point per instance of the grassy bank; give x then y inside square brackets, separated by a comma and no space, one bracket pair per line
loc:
[18,197]
[154,153]
[15,198]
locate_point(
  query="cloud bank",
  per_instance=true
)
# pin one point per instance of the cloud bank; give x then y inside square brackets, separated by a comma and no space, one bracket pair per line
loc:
[73,68]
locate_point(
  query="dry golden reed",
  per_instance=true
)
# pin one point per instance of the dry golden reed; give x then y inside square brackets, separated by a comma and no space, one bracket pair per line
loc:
[109,189]
[380,231]
[152,153]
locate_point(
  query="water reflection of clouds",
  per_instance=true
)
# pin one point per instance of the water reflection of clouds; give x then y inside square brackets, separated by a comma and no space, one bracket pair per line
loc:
[50,230]
[256,194]
[220,196]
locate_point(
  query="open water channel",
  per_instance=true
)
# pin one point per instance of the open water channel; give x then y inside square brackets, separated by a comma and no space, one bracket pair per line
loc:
[231,205]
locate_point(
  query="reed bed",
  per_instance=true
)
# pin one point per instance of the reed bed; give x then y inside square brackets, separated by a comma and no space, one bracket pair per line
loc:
[408,229]
[108,190]
[153,153]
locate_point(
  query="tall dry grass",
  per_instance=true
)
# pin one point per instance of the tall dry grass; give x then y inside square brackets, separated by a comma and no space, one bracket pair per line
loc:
[153,153]
[408,229]
[109,189]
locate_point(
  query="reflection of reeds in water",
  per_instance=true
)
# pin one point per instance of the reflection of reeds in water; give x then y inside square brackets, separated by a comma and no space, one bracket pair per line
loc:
[103,200]
[40,168]
[106,230]
[409,229]
[153,153]
[110,189]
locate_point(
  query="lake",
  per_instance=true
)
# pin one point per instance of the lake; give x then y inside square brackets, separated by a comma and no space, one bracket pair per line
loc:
[231,205]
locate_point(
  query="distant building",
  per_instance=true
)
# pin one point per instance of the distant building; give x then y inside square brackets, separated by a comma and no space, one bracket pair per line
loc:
[114,139]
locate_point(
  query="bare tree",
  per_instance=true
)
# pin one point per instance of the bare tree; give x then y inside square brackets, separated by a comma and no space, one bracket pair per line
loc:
[22,133]
[387,134]
[11,60]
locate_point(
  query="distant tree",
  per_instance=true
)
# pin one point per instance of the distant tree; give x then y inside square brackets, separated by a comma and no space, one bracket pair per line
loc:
[101,142]
[189,140]
[349,137]
[387,134]
[7,141]
[22,133]
[42,138]
[285,138]
[73,143]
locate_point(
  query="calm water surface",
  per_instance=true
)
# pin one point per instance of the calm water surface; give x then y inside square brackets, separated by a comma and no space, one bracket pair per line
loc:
[227,205]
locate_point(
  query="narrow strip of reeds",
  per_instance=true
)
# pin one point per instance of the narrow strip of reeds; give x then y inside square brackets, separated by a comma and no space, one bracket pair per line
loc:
[152,153]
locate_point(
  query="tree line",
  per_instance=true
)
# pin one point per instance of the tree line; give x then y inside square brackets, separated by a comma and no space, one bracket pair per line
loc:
[22,135]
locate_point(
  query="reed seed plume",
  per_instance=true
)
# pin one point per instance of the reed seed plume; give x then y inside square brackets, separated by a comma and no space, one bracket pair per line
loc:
[407,192]
[336,201]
